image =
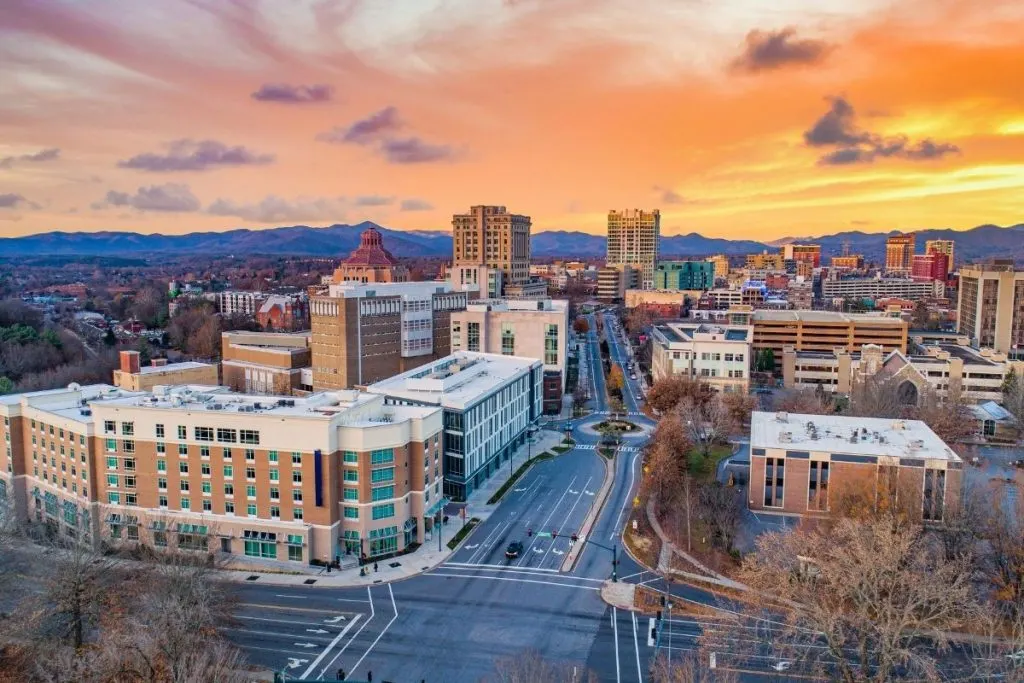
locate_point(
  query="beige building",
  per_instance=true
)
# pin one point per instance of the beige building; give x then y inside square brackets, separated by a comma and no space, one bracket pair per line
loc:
[633,240]
[766,261]
[661,297]
[266,362]
[371,262]
[946,247]
[717,355]
[721,262]
[363,333]
[881,287]
[977,376]
[899,254]
[491,236]
[614,281]
[825,331]
[132,377]
[202,469]
[990,308]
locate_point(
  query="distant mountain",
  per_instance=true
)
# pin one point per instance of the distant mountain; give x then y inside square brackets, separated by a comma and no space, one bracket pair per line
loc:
[338,240]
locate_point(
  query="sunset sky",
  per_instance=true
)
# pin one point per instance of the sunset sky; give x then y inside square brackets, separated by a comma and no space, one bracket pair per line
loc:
[736,118]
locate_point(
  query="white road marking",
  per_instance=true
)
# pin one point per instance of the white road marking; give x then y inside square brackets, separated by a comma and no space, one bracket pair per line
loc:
[337,639]
[317,630]
[568,516]
[515,580]
[381,634]
[548,518]
[529,571]
[293,597]
[650,627]
[335,620]
[470,547]
[295,663]
[275,621]
[306,645]
[615,628]
[467,565]
[636,646]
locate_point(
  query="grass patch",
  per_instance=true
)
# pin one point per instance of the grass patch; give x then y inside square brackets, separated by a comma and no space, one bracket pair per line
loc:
[606,451]
[616,426]
[463,532]
[567,445]
[704,468]
[516,475]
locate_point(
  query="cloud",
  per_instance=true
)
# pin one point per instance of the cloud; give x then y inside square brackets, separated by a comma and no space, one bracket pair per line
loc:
[168,198]
[293,94]
[414,151]
[416,205]
[192,155]
[11,200]
[373,200]
[274,209]
[837,128]
[770,50]
[365,131]
[669,196]
[48,154]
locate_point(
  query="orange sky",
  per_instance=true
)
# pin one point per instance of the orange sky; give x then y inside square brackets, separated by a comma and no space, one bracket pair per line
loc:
[185,115]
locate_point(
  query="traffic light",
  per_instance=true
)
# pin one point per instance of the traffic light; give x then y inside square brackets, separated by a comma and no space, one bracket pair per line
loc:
[341,674]
[529,532]
[554,533]
[654,633]
[574,538]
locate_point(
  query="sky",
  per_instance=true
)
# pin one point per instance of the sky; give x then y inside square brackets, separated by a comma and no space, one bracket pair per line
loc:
[737,119]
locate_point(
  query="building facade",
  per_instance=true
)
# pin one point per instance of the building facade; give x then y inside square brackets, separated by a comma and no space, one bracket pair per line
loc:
[371,262]
[284,312]
[899,254]
[131,376]
[882,287]
[489,403]
[684,275]
[266,362]
[721,264]
[803,253]
[363,333]
[614,281]
[930,266]
[633,240]
[825,331]
[766,261]
[990,309]
[848,262]
[717,355]
[807,464]
[491,236]
[946,247]
[201,469]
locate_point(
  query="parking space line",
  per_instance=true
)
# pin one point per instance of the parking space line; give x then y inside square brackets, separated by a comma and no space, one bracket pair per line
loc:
[615,630]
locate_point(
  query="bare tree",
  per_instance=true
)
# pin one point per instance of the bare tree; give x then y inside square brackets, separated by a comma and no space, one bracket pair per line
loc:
[666,464]
[1004,562]
[531,667]
[721,509]
[670,391]
[877,396]
[803,402]
[689,667]
[707,423]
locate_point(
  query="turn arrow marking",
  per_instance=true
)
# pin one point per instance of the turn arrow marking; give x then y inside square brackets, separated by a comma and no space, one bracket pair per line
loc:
[334,620]
[470,547]
[305,645]
[294,663]
[316,630]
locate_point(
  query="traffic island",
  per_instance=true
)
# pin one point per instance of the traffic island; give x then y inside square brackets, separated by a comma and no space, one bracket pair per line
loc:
[619,594]
[461,534]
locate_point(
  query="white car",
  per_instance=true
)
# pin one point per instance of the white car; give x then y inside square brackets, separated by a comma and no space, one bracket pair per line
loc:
[782,665]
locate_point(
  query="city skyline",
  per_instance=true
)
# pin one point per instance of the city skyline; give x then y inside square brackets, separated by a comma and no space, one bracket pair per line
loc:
[896,116]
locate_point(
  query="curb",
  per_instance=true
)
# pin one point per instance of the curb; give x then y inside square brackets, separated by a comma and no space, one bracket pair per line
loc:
[595,512]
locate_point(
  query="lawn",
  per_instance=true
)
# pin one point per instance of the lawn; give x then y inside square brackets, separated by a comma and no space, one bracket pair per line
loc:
[704,468]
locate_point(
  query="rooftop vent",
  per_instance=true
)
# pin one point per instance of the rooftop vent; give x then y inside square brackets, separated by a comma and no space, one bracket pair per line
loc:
[215,406]
[786,437]
[86,412]
[899,425]
[782,416]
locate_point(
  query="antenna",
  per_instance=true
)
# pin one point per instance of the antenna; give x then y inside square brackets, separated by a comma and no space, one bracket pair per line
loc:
[846,247]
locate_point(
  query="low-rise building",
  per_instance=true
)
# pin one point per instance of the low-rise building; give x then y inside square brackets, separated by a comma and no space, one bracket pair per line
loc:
[613,281]
[825,331]
[808,465]
[131,376]
[717,355]
[266,362]
[284,312]
[881,287]
[489,402]
[684,275]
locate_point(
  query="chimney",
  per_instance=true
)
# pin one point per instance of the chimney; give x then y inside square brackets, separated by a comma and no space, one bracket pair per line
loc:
[130,362]
[158,362]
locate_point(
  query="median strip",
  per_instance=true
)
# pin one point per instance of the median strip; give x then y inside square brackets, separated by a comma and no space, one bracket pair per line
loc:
[516,475]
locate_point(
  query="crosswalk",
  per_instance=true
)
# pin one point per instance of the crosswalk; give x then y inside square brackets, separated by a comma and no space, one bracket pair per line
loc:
[591,447]
[608,412]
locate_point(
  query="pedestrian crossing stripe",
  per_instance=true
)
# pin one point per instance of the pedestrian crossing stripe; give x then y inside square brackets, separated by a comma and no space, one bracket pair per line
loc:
[591,447]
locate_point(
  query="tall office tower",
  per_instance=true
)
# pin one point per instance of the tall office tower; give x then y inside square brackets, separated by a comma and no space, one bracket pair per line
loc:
[941,247]
[990,309]
[633,241]
[809,253]
[899,254]
[492,237]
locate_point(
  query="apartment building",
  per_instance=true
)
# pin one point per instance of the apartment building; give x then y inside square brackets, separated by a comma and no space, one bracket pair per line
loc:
[491,236]
[879,287]
[489,402]
[766,261]
[614,281]
[633,240]
[848,262]
[275,363]
[825,331]
[537,329]
[946,247]
[131,376]
[807,464]
[721,264]
[371,262]
[976,376]
[363,333]
[242,303]
[717,355]
[990,309]
[684,275]
[802,253]
[899,254]
[930,266]
[337,474]
[800,293]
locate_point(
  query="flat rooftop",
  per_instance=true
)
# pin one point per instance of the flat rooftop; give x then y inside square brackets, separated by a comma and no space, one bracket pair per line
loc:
[456,381]
[68,402]
[174,367]
[418,289]
[683,333]
[827,317]
[833,434]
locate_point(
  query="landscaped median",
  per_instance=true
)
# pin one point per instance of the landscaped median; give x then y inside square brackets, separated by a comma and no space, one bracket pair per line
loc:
[516,475]
[463,532]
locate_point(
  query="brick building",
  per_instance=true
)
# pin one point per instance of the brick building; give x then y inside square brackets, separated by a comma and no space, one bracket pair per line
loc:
[133,377]
[267,362]
[371,262]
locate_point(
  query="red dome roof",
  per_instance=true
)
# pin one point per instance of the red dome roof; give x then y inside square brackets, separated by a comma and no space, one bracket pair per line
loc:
[371,251]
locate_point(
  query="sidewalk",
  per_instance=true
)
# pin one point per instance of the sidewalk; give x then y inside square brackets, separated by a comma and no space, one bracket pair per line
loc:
[427,556]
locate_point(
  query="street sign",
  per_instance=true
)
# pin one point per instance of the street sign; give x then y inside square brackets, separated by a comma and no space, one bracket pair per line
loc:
[543,534]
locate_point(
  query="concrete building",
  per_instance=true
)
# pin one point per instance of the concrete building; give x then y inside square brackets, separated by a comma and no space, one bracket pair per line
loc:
[205,470]
[990,309]
[721,264]
[683,275]
[363,333]
[802,253]
[930,266]
[717,355]
[825,331]
[766,261]
[633,240]
[243,303]
[491,236]
[899,254]
[131,376]
[371,262]
[977,376]
[879,287]
[275,363]
[946,247]
[848,262]
[800,294]
[489,402]
[806,464]
[614,281]
[537,329]
[490,282]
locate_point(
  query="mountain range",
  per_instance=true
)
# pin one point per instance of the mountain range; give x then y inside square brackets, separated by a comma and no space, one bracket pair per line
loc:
[338,240]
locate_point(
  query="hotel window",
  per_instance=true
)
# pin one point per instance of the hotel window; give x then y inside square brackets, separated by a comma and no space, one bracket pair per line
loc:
[250,509]
[204,433]
[161,484]
[161,447]
[162,501]
[159,431]
[183,467]
[351,475]
[774,480]
[382,456]
[351,512]
[384,474]
[250,455]
[934,494]
[226,453]
[161,465]
[127,429]
[275,475]
[204,451]
[250,473]
[275,493]
[383,493]
[226,435]
[508,339]
[112,480]
[113,498]
[296,477]
[183,450]
[473,336]
[249,436]
[296,458]
[229,489]
[111,463]
[128,446]
[207,505]
[229,508]
[351,457]
[551,344]
[181,432]
[204,469]
[108,426]
[817,486]
[111,445]
[129,482]
[297,495]
[272,456]
[183,485]
[250,491]
[229,471]
[384,511]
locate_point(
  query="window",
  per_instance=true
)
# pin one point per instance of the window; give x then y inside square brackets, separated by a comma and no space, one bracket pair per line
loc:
[204,433]
[127,429]
[204,451]
[249,436]
[383,493]
[159,431]
[250,509]
[250,491]
[382,475]
[205,469]
[275,475]
[163,501]
[382,456]
[296,477]
[250,455]
[296,458]
[297,495]
[129,482]
[186,504]
[275,493]
[226,453]
[272,456]
[161,483]
[351,512]
[183,485]
[207,488]
[817,486]
[351,457]
[108,426]
[297,513]
[250,473]
[384,511]
[183,467]
[183,450]
[508,339]
[473,337]
[261,544]
[113,481]
[128,446]
[351,475]
[934,494]
[111,463]
[229,489]
[113,498]
[226,435]
[229,508]
[111,445]
[551,344]
[774,478]
[181,432]
[161,447]
[275,512]
[229,471]
[351,493]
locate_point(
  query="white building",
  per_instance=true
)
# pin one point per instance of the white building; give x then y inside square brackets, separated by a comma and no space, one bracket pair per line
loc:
[882,287]
[489,402]
[245,303]
[633,240]
[718,355]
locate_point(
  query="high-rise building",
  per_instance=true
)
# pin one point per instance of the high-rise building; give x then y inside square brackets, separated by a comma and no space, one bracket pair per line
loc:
[930,266]
[721,263]
[633,237]
[899,254]
[991,306]
[941,247]
[809,253]
[491,236]
[684,275]
[614,281]
[371,262]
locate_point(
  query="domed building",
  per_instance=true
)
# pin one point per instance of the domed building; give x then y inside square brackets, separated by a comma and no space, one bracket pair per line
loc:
[371,262]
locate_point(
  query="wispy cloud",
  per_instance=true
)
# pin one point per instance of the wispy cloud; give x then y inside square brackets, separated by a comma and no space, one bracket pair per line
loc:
[668,196]
[373,200]
[378,129]
[365,131]
[274,209]
[168,198]
[293,94]
[192,155]
[415,151]
[770,50]
[48,154]
[11,200]
[416,205]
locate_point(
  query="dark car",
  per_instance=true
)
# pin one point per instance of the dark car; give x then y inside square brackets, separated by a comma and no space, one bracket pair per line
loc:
[514,550]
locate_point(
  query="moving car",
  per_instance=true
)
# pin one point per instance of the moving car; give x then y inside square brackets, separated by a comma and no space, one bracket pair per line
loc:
[514,550]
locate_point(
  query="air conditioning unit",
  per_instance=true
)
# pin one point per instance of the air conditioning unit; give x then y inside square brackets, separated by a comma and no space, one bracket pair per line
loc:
[86,412]
[782,416]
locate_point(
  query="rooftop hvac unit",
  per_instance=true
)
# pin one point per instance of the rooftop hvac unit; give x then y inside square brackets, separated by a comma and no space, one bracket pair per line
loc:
[215,406]
[899,425]
[785,437]
[86,412]
[245,408]
[781,416]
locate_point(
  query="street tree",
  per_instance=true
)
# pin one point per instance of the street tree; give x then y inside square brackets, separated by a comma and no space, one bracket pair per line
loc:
[580,325]
[803,402]
[666,464]
[708,423]
[691,666]
[616,379]
[668,392]
[721,509]
[1013,395]
[531,667]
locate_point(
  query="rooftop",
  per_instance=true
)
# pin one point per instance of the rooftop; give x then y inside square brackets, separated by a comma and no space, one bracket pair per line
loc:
[681,333]
[173,367]
[417,290]
[456,381]
[827,317]
[835,434]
